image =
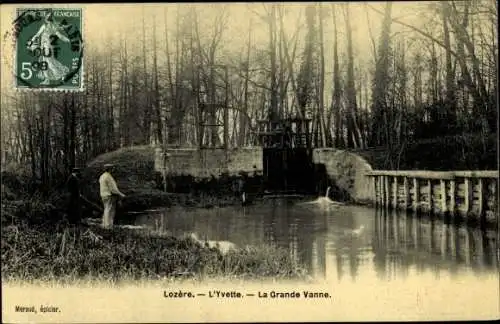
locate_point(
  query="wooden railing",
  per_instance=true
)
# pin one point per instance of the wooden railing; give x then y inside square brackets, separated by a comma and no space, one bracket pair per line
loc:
[465,193]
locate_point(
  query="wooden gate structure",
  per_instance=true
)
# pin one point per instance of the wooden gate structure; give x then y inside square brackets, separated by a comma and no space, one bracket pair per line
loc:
[287,155]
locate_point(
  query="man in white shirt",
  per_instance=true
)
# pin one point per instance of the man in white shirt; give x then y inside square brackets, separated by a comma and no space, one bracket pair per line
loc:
[109,192]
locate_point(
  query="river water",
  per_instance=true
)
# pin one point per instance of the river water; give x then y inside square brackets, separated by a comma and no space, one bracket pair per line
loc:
[361,247]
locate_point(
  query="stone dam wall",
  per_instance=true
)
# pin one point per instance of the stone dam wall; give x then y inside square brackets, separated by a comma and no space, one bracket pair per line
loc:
[345,170]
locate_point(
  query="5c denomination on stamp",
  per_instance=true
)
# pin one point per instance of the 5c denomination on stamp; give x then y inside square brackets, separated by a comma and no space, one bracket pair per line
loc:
[49,49]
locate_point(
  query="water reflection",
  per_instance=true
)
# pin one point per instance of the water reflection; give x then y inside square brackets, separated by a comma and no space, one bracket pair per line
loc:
[401,241]
[344,243]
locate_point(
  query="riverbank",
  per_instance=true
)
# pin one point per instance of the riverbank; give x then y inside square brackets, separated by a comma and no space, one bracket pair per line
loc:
[66,255]
[468,151]
[38,247]
[136,177]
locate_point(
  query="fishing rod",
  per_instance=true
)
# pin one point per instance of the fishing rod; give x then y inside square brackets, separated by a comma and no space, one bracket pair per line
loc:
[91,203]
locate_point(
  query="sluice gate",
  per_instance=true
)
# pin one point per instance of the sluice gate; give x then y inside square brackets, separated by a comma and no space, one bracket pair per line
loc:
[287,156]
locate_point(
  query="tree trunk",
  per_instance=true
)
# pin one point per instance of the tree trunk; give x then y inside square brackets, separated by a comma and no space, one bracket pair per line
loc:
[158,116]
[147,104]
[273,109]
[242,115]
[72,132]
[337,91]
[450,104]
[379,126]
[321,92]
[354,139]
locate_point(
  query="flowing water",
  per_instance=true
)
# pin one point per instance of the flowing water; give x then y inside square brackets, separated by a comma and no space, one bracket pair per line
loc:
[352,245]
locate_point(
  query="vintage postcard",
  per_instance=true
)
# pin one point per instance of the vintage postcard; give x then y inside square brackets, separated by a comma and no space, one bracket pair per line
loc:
[249,162]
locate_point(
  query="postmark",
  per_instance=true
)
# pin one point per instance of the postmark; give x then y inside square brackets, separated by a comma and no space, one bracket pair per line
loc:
[48,49]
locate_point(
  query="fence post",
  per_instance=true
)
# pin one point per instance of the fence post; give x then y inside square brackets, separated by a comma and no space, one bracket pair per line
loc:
[416,194]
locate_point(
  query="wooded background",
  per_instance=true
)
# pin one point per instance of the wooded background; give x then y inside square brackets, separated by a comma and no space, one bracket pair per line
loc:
[434,80]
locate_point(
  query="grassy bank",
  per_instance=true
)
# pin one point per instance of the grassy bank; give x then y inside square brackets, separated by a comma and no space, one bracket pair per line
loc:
[36,246]
[136,177]
[458,152]
[120,255]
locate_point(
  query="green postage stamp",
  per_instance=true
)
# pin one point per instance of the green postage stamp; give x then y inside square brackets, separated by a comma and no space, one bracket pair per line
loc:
[49,49]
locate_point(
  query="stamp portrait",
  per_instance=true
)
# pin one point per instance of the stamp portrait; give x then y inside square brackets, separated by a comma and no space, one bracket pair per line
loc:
[49,49]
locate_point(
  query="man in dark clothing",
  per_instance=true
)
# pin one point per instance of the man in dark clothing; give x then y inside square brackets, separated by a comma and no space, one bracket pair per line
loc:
[74,206]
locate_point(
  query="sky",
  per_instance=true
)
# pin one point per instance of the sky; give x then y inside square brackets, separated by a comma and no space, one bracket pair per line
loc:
[105,24]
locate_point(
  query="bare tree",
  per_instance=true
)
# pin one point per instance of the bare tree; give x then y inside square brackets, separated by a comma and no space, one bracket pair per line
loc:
[354,138]
[380,122]
[337,91]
